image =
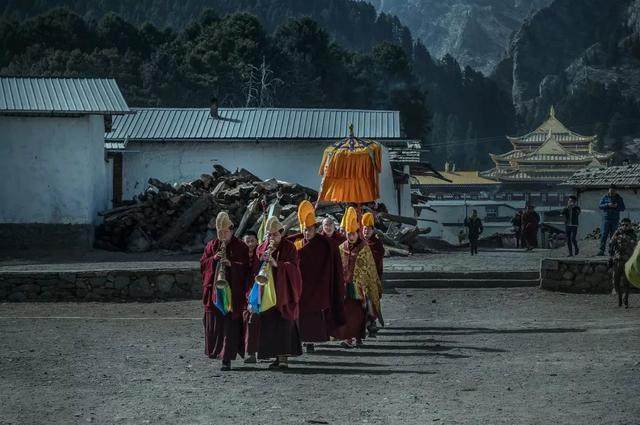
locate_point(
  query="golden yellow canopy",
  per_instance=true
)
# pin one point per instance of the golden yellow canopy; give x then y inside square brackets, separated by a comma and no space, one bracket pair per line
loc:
[350,171]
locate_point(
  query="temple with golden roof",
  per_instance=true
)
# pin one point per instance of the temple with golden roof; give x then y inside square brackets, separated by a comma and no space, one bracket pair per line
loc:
[544,158]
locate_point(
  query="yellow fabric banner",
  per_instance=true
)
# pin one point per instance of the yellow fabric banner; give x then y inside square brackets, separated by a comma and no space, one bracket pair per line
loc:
[268,294]
[632,267]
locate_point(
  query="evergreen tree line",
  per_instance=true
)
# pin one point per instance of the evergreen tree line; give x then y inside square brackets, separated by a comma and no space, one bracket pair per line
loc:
[242,62]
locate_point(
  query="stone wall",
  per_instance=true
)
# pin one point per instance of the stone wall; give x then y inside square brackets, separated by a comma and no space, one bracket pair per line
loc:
[115,285]
[591,276]
[28,235]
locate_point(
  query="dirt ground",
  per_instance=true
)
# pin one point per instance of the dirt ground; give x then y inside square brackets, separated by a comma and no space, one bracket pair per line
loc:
[515,356]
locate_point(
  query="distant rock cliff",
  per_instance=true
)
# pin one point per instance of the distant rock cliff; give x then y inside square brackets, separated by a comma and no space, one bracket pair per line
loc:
[475,32]
[570,47]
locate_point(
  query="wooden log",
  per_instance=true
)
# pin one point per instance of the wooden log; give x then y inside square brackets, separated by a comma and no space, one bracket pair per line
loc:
[398,219]
[219,188]
[162,186]
[251,209]
[184,221]
[220,171]
[125,208]
[387,240]
[390,251]
[290,221]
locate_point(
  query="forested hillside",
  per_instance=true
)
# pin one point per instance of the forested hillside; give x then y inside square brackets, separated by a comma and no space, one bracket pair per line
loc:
[302,65]
[592,76]
[353,24]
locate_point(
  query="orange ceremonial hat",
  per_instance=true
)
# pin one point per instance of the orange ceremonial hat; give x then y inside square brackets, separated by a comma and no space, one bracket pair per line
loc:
[351,220]
[368,220]
[306,215]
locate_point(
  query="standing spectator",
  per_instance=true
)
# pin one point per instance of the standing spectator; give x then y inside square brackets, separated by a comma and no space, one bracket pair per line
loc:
[474,224]
[530,224]
[612,205]
[571,213]
[516,221]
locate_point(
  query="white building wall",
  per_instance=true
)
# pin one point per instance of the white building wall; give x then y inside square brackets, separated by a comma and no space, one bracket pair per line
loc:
[296,162]
[591,216]
[52,169]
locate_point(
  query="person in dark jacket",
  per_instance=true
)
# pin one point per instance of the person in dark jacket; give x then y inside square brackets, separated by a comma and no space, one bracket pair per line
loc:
[516,221]
[611,205]
[571,213]
[474,224]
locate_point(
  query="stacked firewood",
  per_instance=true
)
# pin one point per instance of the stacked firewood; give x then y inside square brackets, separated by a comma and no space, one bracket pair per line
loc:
[181,217]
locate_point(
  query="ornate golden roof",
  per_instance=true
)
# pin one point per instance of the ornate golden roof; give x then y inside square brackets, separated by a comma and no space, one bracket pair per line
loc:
[551,126]
[549,153]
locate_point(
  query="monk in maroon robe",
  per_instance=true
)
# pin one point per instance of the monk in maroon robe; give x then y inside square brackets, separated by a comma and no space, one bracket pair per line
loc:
[329,230]
[223,332]
[361,282]
[321,303]
[377,249]
[251,320]
[530,224]
[279,333]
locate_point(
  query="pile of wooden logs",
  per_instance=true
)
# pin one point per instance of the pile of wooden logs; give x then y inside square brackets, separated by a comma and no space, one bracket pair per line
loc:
[182,216]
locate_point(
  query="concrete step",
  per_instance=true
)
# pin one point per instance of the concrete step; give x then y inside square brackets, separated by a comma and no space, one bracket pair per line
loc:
[474,275]
[460,283]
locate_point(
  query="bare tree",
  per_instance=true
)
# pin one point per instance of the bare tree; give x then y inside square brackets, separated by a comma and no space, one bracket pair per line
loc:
[261,85]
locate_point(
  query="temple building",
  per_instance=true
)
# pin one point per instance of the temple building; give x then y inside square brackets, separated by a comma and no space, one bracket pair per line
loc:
[541,160]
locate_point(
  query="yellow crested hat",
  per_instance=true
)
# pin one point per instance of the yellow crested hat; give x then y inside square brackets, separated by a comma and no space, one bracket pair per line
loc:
[368,220]
[306,215]
[273,225]
[223,221]
[350,220]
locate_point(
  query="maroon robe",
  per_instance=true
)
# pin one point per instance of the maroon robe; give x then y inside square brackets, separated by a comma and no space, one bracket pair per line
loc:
[530,223]
[321,303]
[354,310]
[377,249]
[337,238]
[252,320]
[223,334]
[279,333]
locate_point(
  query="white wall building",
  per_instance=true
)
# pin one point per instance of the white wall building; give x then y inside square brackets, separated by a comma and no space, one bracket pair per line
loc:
[53,175]
[176,145]
[592,184]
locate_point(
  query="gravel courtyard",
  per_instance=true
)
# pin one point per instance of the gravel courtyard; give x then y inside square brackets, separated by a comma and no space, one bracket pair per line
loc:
[516,356]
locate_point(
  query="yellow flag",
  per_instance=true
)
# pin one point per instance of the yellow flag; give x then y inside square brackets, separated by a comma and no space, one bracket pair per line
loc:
[268,294]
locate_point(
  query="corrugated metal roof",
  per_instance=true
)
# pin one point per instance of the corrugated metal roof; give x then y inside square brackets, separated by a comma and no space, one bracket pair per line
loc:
[160,124]
[622,176]
[19,95]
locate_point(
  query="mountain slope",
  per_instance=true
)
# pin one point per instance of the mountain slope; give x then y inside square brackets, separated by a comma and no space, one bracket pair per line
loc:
[353,24]
[475,32]
[584,57]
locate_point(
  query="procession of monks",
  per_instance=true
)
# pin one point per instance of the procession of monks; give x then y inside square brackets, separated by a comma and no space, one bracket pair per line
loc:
[327,287]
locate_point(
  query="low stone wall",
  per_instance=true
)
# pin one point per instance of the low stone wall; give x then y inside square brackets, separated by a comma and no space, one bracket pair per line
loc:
[591,276]
[112,285]
[36,235]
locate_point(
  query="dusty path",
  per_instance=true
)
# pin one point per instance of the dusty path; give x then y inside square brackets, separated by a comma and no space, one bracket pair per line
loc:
[517,356]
